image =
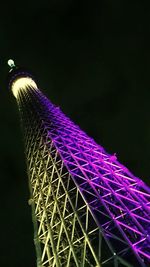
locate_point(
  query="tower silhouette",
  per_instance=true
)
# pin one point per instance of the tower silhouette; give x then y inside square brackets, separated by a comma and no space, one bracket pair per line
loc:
[88,210]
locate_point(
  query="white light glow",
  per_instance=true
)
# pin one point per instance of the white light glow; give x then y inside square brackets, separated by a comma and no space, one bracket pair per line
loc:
[23,83]
[11,63]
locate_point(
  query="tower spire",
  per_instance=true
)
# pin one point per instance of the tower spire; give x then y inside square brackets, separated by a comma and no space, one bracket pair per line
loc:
[19,79]
[11,64]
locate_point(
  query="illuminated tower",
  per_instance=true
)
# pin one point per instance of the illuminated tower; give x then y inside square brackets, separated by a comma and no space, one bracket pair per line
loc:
[88,210]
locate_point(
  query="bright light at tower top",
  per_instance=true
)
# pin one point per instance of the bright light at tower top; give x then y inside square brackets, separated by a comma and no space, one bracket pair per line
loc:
[11,63]
[22,83]
[19,79]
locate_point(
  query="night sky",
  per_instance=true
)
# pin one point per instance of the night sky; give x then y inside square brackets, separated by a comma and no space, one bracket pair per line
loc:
[92,58]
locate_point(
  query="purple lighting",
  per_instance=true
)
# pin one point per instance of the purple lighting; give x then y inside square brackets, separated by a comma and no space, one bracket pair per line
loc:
[119,201]
[90,210]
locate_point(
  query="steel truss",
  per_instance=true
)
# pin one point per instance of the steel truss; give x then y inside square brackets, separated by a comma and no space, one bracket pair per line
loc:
[88,209]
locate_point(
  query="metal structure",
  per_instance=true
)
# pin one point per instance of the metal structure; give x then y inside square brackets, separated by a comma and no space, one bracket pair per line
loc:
[88,210]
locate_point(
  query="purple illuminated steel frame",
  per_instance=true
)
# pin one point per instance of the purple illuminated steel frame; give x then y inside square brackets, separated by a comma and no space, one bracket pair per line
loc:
[87,208]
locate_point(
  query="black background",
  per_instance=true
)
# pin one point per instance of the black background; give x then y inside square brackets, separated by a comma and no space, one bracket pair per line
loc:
[92,58]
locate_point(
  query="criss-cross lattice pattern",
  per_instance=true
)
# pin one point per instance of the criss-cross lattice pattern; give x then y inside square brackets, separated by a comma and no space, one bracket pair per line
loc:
[88,209]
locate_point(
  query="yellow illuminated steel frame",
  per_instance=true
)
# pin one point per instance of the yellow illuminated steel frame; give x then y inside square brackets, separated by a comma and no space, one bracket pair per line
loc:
[87,209]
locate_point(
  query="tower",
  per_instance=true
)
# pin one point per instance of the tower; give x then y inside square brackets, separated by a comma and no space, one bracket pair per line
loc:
[88,210]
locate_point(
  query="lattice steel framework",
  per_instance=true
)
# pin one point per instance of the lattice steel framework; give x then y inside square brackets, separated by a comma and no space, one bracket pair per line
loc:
[88,209]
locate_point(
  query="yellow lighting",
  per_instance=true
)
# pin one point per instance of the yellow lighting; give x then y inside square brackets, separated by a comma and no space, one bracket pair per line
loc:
[22,83]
